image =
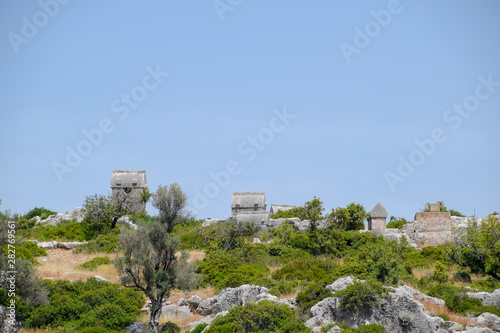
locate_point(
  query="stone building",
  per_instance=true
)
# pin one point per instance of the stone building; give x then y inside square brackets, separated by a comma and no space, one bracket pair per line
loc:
[248,203]
[430,228]
[377,219]
[128,186]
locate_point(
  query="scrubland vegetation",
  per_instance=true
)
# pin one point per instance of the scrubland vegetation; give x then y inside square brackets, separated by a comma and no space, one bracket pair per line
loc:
[289,263]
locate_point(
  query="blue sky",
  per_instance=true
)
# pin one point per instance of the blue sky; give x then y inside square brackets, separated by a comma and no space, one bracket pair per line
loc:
[369,101]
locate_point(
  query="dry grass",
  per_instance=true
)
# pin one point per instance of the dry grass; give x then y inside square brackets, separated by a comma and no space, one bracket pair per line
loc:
[61,265]
[294,295]
[196,255]
[205,293]
[441,309]
[421,272]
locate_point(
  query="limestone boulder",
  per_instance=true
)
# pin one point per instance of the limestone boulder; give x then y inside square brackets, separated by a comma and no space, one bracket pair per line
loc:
[492,298]
[76,214]
[489,320]
[209,222]
[48,245]
[136,327]
[231,297]
[398,313]
[128,222]
[175,311]
[70,245]
[341,284]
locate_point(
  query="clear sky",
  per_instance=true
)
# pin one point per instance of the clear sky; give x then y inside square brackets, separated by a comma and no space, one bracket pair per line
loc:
[395,102]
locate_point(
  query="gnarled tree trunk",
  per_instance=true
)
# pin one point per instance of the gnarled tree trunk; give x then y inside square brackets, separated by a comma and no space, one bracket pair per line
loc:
[154,319]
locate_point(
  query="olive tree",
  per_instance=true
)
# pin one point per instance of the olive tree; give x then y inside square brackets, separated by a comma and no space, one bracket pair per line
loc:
[477,246]
[150,263]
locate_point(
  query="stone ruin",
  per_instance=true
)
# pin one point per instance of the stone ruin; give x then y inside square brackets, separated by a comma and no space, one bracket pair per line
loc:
[377,220]
[430,228]
[128,186]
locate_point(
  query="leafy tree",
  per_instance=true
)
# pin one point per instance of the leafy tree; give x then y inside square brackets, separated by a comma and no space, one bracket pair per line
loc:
[387,260]
[171,202]
[477,246]
[299,212]
[149,263]
[314,209]
[455,213]
[350,218]
[100,213]
[396,222]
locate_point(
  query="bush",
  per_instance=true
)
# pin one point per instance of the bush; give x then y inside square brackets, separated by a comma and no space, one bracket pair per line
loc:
[81,304]
[299,212]
[264,316]
[398,224]
[105,243]
[92,264]
[361,295]
[441,273]
[64,231]
[199,328]
[170,327]
[308,269]
[312,295]
[455,299]
[462,276]
[371,328]
[42,212]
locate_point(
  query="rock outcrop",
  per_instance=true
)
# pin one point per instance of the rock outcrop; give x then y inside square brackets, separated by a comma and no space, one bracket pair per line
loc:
[136,327]
[6,323]
[76,214]
[487,298]
[397,313]
[60,245]
[230,297]
[489,320]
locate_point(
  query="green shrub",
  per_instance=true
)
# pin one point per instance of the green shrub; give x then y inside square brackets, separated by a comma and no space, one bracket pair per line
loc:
[371,328]
[462,276]
[104,243]
[455,213]
[398,224]
[42,212]
[27,251]
[299,212]
[81,304]
[264,316]
[22,223]
[444,316]
[455,299]
[92,264]
[170,327]
[308,269]
[361,295]
[312,295]
[97,330]
[64,231]
[199,328]
[244,274]
[328,327]
[441,273]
